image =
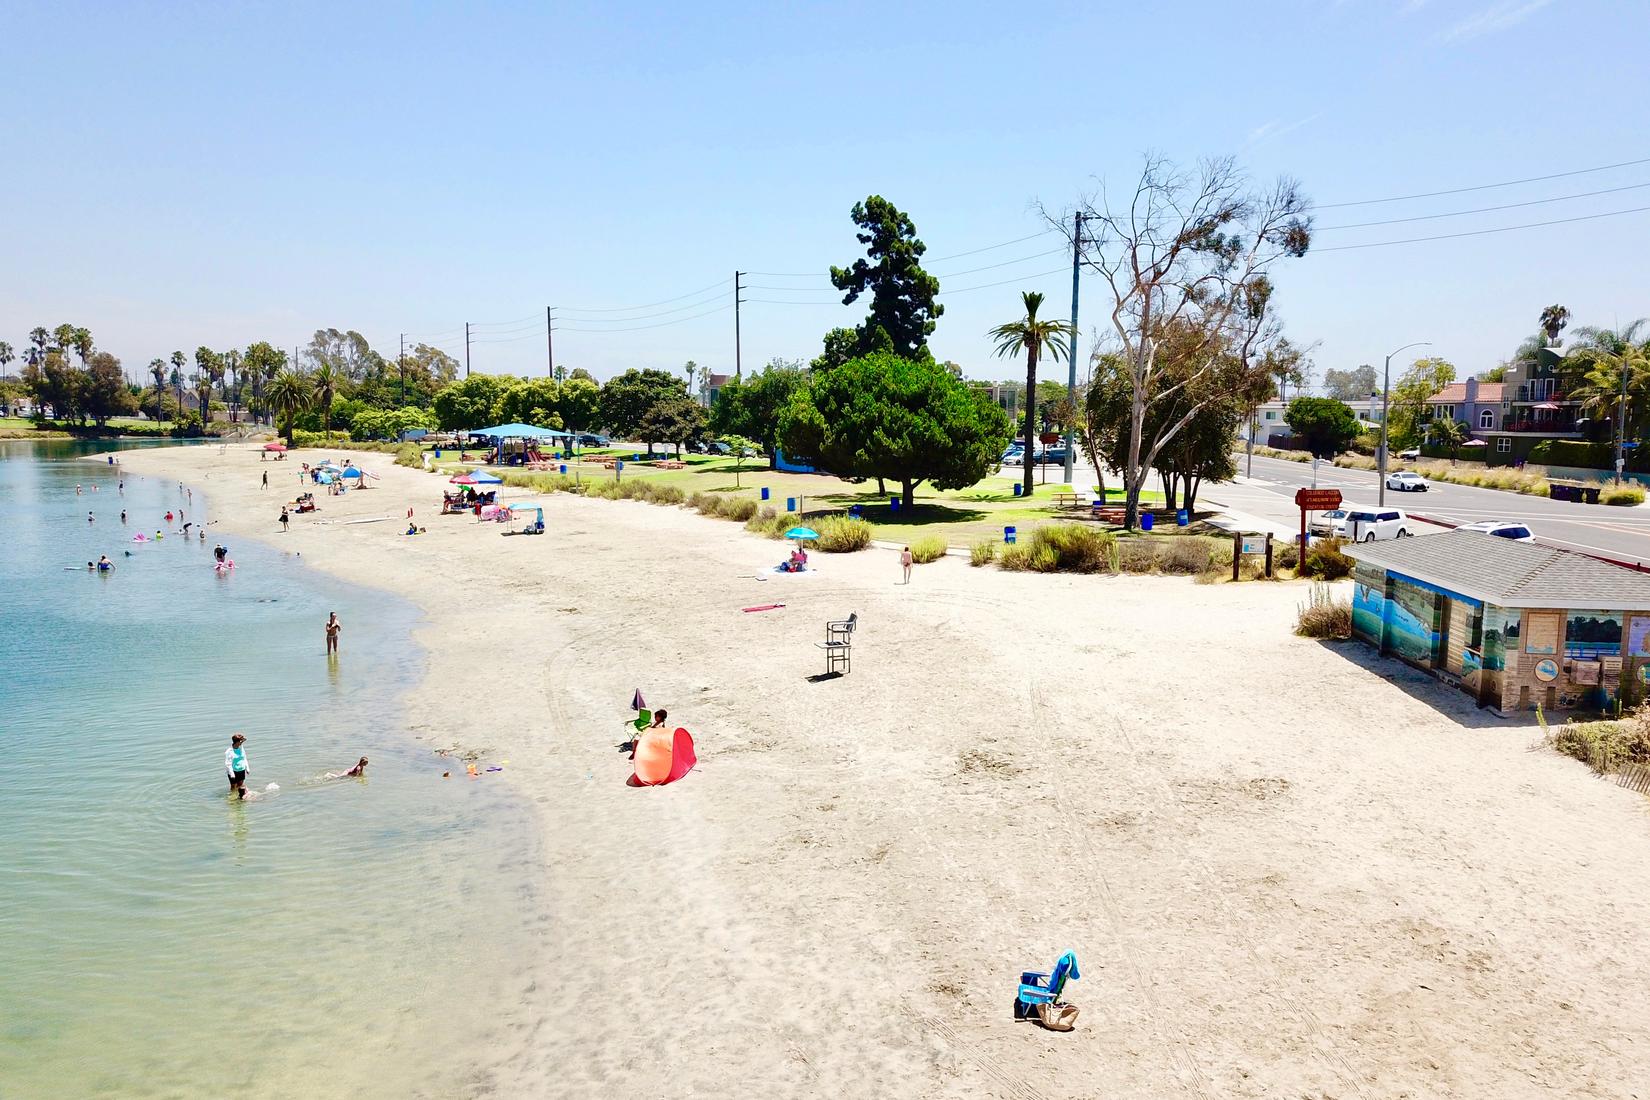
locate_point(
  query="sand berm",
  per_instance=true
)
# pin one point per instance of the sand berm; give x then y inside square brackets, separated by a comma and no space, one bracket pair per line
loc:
[1288,869]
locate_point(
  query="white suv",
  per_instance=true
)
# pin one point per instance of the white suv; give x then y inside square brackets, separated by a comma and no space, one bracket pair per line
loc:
[1501,528]
[1368,524]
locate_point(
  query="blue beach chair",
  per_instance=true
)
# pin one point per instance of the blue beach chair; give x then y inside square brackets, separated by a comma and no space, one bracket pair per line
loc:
[1038,988]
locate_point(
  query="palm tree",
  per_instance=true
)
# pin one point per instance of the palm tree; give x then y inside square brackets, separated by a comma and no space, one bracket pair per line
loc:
[1615,368]
[1451,433]
[63,338]
[178,360]
[289,393]
[231,360]
[83,345]
[38,339]
[6,357]
[324,382]
[1553,320]
[157,367]
[1034,337]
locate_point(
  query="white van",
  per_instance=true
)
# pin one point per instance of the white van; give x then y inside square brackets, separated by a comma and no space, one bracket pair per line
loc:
[1368,524]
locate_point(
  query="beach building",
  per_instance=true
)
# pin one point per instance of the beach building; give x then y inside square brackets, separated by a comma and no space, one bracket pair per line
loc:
[1513,624]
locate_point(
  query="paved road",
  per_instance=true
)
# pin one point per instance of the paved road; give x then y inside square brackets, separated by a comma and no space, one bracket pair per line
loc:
[1622,533]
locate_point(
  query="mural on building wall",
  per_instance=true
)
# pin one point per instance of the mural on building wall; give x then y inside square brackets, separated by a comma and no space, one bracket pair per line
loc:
[1593,634]
[1368,603]
[1412,621]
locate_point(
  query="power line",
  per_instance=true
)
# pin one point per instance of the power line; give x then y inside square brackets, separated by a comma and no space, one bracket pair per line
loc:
[1484,232]
[927,259]
[1005,282]
[501,324]
[1484,209]
[638,328]
[631,309]
[1484,186]
[642,316]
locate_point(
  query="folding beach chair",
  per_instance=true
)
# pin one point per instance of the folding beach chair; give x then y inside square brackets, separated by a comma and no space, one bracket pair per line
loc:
[1039,988]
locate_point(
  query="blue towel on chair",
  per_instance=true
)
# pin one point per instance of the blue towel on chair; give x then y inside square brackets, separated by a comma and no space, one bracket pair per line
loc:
[1039,988]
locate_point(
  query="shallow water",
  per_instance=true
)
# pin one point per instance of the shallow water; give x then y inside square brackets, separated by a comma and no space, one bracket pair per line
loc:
[359,938]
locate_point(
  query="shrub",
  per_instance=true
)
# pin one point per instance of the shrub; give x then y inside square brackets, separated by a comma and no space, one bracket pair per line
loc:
[668,494]
[1076,548]
[1625,495]
[762,521]
[1184,556]
[1016,557]
[703,503]
[409,454]
[1044,558]
[1323,616]
[1355,462]
[1136,556]
[740,509]
[1285,555]
[928,548]
[983,552]
[842,534]
[1605,746]
[1325,561]
[301,438]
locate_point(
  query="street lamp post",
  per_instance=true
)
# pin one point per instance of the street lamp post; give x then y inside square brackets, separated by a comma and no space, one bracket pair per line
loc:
[1386,400]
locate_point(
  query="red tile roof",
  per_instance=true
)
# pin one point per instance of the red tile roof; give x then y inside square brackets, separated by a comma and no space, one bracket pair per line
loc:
[1456,393]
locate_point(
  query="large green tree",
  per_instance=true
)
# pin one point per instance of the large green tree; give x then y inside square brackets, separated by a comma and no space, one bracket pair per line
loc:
[906,420]
[751,408]
[625,400]
[673,420]
[579,404]
[104,392]
[1326,424]
[1033,338]
[903,309]
[1350,385]
[532,401]
[1593,371]
[55,382]
[469,402]
[1406,417]
[261,361]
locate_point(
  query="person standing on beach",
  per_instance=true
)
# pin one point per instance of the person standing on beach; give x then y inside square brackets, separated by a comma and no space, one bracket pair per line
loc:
[266,479]
[285,519]
[333,627]
[905,564]
[234,762]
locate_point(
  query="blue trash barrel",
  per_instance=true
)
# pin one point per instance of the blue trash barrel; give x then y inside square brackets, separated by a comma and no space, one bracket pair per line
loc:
[790,503]
[764,492]
[1018,488]
[438,452]
[893,504]
[1181,519]
[1009,534]
[636,457]
[562,468]
[856,511]
[1145,521]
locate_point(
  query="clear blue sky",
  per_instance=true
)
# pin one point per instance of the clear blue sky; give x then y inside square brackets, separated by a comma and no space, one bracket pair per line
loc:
[215,174]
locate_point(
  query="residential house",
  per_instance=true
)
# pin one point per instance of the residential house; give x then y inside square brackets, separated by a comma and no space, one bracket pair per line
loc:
[1513,624]
[1271,428]
[712,388]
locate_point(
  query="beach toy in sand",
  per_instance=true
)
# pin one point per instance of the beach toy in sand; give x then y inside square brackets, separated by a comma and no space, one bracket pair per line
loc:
[636,700]
[494,768]
[662,757]
[764,607]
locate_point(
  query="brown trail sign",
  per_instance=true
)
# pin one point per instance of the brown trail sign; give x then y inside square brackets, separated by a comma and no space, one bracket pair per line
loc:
[1314,500]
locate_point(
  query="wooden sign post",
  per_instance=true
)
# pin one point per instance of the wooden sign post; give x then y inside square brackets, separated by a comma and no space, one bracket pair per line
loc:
[1314,500]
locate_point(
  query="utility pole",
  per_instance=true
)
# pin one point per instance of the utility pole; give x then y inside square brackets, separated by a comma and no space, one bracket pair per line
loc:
[1386,402]
[1621,422]
[401,364]
[738,366]
[549,345]
[466,349]
[1071,380]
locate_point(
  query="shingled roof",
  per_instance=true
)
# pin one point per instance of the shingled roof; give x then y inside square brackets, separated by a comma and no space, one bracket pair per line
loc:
[1509,574]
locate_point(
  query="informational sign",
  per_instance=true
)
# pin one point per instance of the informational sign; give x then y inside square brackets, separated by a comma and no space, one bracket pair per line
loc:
[1546,670]
[1541,633]
[1317,500]
[1585,672]
[1254,544]
[1638,637]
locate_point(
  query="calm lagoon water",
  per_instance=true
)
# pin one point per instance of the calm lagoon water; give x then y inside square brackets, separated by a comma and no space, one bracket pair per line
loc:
[348,938]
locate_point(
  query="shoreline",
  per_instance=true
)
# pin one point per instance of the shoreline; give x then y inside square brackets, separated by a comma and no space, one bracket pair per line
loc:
[1266,896]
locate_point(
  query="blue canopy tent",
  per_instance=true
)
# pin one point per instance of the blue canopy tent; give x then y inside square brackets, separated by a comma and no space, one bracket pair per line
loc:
[527,433]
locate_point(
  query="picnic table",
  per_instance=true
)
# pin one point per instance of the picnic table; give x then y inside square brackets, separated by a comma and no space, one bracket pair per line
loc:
[1074,499]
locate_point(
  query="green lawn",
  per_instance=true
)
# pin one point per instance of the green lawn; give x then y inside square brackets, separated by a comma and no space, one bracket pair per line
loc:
[962,516]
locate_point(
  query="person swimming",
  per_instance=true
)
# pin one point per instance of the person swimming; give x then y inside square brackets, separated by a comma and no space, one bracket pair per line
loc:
[104,565]
[357,772]
[123,515]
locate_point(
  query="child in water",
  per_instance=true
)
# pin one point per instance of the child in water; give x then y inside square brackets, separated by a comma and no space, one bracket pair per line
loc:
[356,772]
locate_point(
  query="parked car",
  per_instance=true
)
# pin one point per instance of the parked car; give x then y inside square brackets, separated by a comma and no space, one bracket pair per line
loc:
[1015,450]
[1501,528]
[1053,456]
[1331,524]
[1368,524]
[1407,481]
[1412,454]
[593,439]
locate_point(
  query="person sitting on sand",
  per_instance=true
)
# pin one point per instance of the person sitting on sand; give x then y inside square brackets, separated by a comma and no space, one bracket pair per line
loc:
[357,772]
[658,723]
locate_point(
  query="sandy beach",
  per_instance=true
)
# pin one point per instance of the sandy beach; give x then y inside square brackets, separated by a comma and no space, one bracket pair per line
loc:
[1287,869]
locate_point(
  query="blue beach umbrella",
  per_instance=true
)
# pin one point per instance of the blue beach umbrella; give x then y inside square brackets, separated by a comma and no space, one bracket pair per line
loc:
[353,471]
[482,477]
[802,533]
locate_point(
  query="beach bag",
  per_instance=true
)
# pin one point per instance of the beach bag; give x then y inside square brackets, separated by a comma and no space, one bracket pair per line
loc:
[1057,1017]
